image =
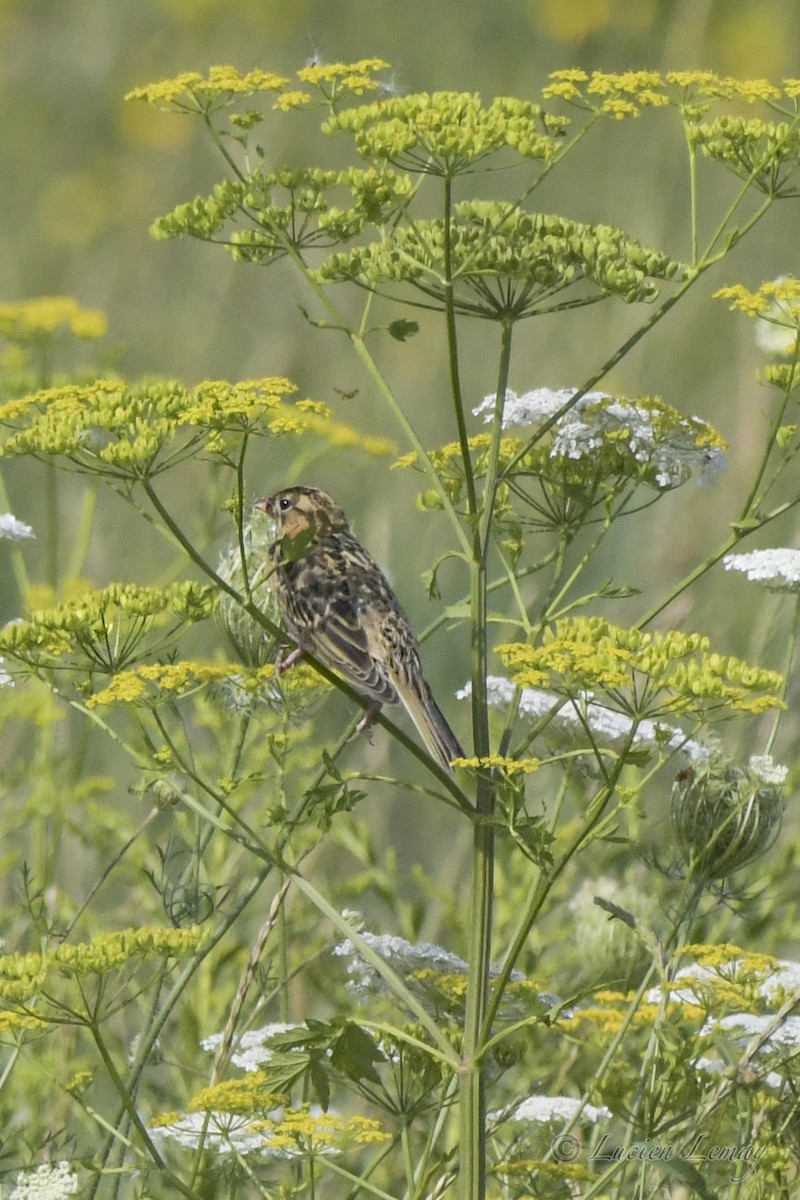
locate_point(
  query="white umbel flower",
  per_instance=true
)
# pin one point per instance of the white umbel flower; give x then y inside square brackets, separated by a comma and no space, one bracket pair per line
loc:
[16,530]
[541,1110]
[46,1183]
[608,727]
[778,569]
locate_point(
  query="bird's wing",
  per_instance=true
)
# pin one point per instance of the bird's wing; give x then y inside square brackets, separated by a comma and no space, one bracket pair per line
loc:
[341,639]
[331,601]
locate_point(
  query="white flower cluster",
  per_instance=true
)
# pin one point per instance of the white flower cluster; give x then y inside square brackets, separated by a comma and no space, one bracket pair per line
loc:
[541,1110]
[609,727]
[778,569]
[715,1066]
[597,418]
[405,958]
[773,988]
[46,1183]
[12,528]
[534,407]
[226,1133]
[402,956]
[750,1025]
[251,1053]
[764,768]
[5,678]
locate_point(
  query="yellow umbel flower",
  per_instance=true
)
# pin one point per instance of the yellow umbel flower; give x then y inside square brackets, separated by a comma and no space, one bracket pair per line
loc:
[43,316]
[643,674]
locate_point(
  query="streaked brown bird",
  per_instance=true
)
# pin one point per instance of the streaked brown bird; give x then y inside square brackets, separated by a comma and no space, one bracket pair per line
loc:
[338,605]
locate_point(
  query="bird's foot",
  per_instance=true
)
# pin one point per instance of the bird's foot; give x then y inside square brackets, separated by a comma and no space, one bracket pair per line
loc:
[285,664]
[365,724]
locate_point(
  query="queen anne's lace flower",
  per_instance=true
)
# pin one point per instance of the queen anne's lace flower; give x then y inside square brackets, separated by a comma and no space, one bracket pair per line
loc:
[750,1025]
[531,408]
[540,1110]
[657,437]
[251,1051]
[46,1183]
[778,569]
[11,527]
[764,768]
[715,1066]
[227,1133]
[401,955]
[608,727]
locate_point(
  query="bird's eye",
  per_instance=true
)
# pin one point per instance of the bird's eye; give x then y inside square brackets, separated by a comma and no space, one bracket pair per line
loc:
[284,504]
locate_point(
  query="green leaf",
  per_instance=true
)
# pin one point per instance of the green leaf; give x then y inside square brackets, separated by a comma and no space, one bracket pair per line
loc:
[402,330]
[614,910]
[284,1070]
[611,592]
[354,1052]
[319,1082]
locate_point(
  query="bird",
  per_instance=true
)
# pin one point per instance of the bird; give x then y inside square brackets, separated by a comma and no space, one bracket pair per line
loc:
[337,604]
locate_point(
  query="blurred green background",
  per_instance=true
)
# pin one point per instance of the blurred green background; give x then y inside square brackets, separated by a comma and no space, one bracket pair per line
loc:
[84,174]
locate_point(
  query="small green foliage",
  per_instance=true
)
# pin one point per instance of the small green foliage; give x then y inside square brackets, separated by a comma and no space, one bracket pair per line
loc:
[23,976]
[764,153]
[107,629]
[448,133]
[271,214]
[506,264]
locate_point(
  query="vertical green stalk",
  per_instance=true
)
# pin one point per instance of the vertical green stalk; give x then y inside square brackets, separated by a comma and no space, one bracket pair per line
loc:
[472,1101]
[473,1098]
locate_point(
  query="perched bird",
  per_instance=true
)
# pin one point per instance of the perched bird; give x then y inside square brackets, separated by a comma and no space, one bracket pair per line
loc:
[338,605]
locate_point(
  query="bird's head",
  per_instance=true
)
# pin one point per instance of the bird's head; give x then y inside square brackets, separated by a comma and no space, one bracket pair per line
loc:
[303,512]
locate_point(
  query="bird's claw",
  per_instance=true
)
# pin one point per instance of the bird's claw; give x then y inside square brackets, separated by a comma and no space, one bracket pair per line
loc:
[285,664]
[365,724]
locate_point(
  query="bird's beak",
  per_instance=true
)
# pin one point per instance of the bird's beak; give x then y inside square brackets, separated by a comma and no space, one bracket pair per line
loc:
[264,506]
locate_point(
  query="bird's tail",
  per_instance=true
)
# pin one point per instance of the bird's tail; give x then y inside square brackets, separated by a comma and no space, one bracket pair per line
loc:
[440,741]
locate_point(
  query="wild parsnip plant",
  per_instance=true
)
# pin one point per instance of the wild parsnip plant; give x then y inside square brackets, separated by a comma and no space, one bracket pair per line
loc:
[575,1036]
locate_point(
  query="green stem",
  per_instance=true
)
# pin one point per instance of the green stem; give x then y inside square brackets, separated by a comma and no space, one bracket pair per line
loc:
[452,352]
[492,467]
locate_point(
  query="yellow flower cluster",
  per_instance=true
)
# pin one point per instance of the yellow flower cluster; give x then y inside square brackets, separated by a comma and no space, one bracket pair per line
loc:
[145,682]
[782,296]
[134,432]
[445,133]
[13,1023]
[153,683]
[499,762]
[42,316]
[106,628]
[252,1094]
[625,94]
[191,90]
[765,154]
[659,672]
[23,975]
[609,1014]
[357,77]
[505,262]
[298,1129]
